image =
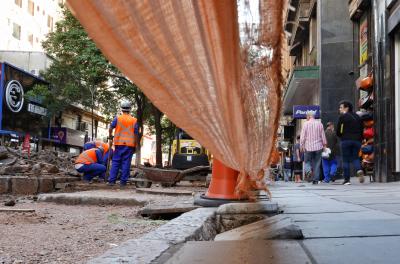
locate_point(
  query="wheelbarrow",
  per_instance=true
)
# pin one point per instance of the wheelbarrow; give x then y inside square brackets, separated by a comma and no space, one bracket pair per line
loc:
[144,177]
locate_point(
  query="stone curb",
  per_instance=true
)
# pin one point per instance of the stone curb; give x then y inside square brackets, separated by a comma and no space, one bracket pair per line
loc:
[198,224]
[74,199]
[249,208]
[25,185]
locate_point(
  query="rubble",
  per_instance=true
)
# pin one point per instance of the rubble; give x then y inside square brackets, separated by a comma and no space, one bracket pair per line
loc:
[24,174]
[15,162]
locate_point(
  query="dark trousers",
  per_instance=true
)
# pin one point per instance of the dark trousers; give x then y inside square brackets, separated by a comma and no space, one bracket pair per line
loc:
[92,170]
[350,149]
[121,159]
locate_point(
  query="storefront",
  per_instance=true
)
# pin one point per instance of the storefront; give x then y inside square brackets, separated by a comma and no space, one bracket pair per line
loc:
[19,115]
[377,67]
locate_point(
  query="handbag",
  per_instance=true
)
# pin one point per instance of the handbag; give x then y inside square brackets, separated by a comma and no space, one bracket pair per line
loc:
[367,149]
[369,132]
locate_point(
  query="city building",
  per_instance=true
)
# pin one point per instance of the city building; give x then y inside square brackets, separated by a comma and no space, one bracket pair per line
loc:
[320,47]
[376,36]
[24,24]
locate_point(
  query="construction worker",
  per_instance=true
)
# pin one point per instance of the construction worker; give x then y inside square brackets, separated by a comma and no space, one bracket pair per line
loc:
[126,128]
[90,163]
[96,144]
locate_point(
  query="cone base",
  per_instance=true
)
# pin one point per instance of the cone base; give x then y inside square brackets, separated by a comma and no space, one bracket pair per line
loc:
[204,201]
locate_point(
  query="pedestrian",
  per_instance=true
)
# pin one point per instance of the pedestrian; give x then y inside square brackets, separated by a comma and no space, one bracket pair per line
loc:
[287,167]
[126,129]
[312,142]
[96,144]
[349,130]
[329,163]
[90,163]
[297,160]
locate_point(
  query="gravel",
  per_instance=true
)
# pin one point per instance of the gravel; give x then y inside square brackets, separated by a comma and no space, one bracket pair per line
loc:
[58,233]
[67,234]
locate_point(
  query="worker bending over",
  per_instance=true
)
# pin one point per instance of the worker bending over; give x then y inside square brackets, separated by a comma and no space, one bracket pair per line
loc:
[126,129]
[90,163]
[97,144]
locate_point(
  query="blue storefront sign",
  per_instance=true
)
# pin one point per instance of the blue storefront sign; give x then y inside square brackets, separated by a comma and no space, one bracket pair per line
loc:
[300,111]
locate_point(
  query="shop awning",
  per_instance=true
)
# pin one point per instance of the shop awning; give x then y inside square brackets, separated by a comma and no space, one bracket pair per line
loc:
[301,88]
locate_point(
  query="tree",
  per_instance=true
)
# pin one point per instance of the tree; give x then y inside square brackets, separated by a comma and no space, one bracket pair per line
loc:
[79,70]
[80,74]
[157,115]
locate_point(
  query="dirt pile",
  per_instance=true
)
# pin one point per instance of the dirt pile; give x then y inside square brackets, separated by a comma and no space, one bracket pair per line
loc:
[16,162]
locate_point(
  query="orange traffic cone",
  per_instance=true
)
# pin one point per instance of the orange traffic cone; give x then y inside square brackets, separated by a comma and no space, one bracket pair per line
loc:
[222,187]
[223,182]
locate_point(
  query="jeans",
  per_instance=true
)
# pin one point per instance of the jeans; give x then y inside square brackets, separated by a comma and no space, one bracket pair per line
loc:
[287,173]
[121,159]
[329,167]
[350,149]
[313,159]
[92,170]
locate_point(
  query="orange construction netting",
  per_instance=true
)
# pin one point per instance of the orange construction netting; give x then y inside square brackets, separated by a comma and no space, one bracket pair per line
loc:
[217,79]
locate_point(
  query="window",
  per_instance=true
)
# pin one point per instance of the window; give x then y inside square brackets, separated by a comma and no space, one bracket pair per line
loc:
[37,39]
[50,23]
[16,31]
[18,3]
[37,8]
[30,39]
[31,7]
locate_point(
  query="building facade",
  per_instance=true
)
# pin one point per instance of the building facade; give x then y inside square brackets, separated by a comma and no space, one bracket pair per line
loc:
[377,48]
[24,24]
[320,45]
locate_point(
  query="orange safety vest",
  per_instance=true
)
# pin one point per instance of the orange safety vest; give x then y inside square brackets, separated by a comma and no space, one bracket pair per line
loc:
[125,131]
[102,144]
[87,157]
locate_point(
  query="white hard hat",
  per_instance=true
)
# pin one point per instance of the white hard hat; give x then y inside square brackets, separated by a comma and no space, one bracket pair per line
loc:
[126,106]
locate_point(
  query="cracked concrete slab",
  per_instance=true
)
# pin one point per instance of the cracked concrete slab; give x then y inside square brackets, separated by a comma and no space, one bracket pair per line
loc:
[276,227]
[239,252]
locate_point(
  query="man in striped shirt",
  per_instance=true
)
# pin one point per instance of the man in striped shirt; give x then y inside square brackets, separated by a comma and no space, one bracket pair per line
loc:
[312,142]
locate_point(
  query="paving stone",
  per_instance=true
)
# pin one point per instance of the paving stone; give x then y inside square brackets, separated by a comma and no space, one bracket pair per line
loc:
[98,197]
[389,208]
[340,208]
[61,179]
[198,224]
[4,185]
[133,251]
[164,191]
[46,185]
[343,216]
[350,228]
[249,208]
[366,250]
[276,227]
[239,252]
[158,210]
[24,185]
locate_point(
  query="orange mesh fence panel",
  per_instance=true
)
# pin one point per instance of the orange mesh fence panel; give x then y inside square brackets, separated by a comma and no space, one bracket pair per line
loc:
[186,56]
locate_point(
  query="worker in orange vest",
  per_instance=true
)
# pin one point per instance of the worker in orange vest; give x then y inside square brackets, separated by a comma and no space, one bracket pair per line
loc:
[126,129]
[90,163]
[96,144]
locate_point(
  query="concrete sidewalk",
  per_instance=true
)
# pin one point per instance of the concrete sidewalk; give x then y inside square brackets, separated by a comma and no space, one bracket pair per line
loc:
[341,224]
